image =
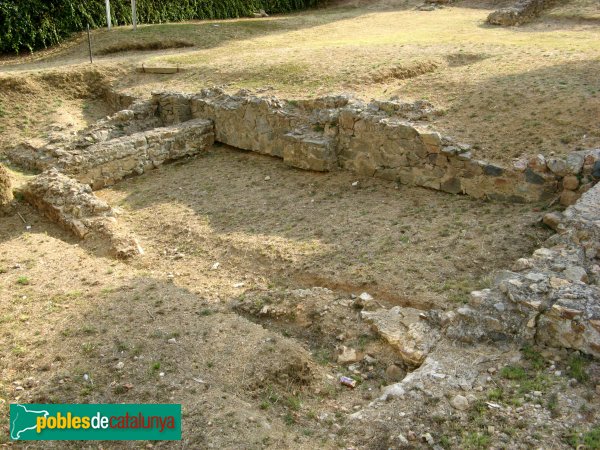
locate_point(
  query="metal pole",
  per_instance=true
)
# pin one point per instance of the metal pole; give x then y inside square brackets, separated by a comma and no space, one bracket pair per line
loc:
[108,20]
[90,44]
[134,14]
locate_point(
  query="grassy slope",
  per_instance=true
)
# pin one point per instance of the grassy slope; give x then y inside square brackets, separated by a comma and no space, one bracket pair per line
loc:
[510,91]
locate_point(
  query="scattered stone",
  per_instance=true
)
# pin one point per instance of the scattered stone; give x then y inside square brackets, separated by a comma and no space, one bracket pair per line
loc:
[120,365]
[365,297]
[394,373]
[553,220]
[347,355]
[267,178]
[570,182]
[172,341]
[460,402]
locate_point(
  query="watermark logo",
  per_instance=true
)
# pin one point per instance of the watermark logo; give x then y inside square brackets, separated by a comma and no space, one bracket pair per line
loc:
[95,422]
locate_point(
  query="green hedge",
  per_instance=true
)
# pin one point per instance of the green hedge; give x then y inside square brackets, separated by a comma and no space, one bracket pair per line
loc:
[34,24]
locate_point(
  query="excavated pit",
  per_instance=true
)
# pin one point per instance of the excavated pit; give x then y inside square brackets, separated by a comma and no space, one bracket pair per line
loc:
[347,269]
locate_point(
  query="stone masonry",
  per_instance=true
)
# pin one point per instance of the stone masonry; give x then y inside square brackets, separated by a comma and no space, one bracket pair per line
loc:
[384,139]
[74,207]
[552,297]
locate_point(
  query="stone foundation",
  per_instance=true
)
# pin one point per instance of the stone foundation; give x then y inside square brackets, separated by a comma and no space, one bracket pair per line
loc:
[384,139]
[552,297]
[73,206]
[105,163]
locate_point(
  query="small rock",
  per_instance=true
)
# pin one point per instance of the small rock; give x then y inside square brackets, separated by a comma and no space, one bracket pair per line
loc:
[428,438]
[355,184]
[369,359]
[365,297]
[393,373]
[522,264]
[120,365]
[570,182]
[557,166]
[172,341]
[162,374]
[552,220]
[460,402]
[215,266]
[267,178]
[568,198]
[347,355]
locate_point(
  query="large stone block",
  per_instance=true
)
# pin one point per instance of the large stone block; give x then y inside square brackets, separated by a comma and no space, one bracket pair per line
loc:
[310,152]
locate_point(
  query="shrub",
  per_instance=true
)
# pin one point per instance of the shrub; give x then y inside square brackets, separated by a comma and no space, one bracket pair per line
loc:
[34,24]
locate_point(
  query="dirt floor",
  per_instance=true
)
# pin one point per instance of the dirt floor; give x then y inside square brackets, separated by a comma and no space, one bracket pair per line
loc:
[249,286]
[244,296]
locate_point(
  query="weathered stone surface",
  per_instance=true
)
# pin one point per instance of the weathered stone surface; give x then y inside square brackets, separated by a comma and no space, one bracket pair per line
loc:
[377,139]
[570,182]
[105,163]
[406,330]
[310,151]
[73,206]
[554,299]
[522,12]
[6,194]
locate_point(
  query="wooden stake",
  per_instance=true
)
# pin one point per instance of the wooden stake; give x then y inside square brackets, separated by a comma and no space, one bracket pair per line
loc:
[134,14]
[90,43]
[108,19]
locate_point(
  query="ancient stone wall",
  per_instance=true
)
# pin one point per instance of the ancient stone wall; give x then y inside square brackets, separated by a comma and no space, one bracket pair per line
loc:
[552,297]
[105,163]
[384,139]
[74,206]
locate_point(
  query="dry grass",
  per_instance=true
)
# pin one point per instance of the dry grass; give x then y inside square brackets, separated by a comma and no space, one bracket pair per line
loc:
[141,46]
[508,91]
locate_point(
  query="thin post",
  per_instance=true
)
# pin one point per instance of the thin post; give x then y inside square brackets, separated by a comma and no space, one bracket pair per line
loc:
[108,19]
[134,14]
[90,43]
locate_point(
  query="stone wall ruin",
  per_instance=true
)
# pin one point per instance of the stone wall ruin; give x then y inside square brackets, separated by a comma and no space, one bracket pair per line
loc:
[550,298]
[384,139]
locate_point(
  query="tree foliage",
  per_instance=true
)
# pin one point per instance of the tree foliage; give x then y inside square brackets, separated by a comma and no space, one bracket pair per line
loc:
[34,24]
